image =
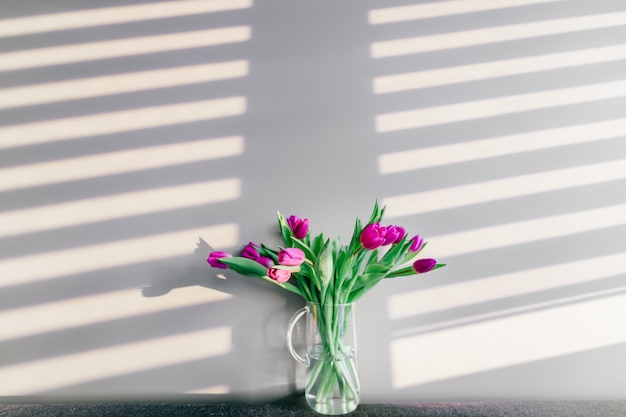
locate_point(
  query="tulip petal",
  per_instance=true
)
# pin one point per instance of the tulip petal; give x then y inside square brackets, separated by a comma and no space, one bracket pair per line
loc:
[279,275]
[291,256]
[424,265]
[416,243]
[299,227]
[214,257]
[373,236]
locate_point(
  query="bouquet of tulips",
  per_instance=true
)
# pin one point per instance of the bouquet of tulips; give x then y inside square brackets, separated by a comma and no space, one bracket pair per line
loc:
[324,271]
[331,276]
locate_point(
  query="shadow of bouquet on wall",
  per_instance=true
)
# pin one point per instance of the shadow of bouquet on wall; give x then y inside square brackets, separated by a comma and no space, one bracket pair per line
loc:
[258,365]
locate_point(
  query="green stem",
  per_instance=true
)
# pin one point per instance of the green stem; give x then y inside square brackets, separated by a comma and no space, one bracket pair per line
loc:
[335,372]
[313,375]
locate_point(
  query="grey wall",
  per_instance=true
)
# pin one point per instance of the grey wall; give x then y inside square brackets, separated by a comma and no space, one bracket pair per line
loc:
[105,290]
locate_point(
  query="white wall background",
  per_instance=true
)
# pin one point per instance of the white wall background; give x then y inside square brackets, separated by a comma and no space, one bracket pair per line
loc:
[130,130]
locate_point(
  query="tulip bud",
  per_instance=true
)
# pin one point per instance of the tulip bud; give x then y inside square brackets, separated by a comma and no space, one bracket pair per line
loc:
[299,227]
[326,265]
[214,257]
[265,261]
[250,251]
[373,236]
[279,275]
[416,243]
[291,257]
[424,265]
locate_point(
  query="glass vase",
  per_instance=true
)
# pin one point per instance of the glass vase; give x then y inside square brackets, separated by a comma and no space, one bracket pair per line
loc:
[332,380]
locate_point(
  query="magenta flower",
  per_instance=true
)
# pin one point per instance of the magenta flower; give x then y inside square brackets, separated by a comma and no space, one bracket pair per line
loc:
[250,251]
[416,243]
[299,227]
[214,257]
[424,265]
[373,236]
[279,275]
[265,261]
[291,257]
[394,234]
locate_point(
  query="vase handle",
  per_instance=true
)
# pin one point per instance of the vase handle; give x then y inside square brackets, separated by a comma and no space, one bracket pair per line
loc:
[292,323]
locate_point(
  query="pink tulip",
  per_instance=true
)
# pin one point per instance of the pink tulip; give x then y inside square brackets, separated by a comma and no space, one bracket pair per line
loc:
[299,227]
[214,257]
[424,265]
[279,275]
[373,236]
[394,234]
[291,257]
[416,243]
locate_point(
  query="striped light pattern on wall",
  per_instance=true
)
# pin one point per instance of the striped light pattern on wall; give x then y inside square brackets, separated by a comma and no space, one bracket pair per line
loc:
[453,85]
[101,176]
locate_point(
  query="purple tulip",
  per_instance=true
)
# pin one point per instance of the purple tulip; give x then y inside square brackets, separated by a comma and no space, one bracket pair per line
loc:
[250,251]
[265,261]
[373,236]
[416,243]
[214,257]
[394,234]
[299,227]
[291,257]
[279,275]
[424,265]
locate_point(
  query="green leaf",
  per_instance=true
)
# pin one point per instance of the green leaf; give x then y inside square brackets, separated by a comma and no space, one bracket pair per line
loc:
[317,244]
[285,230]
[325,267]
[355,242]
[358,293]
[373,258]
[391,257]
[377,214]
[402,272]
[373,273]
[359,261]
[412,255]
[344,271]
[245,266]
[268,252]
[381,213]
[303,282]
[377,269]
[307,270]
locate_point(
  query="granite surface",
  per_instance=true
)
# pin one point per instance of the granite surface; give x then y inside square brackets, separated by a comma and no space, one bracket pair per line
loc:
[296,407]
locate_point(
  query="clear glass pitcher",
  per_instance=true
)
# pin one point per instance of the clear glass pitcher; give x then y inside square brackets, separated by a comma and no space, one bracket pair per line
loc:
[332,380]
